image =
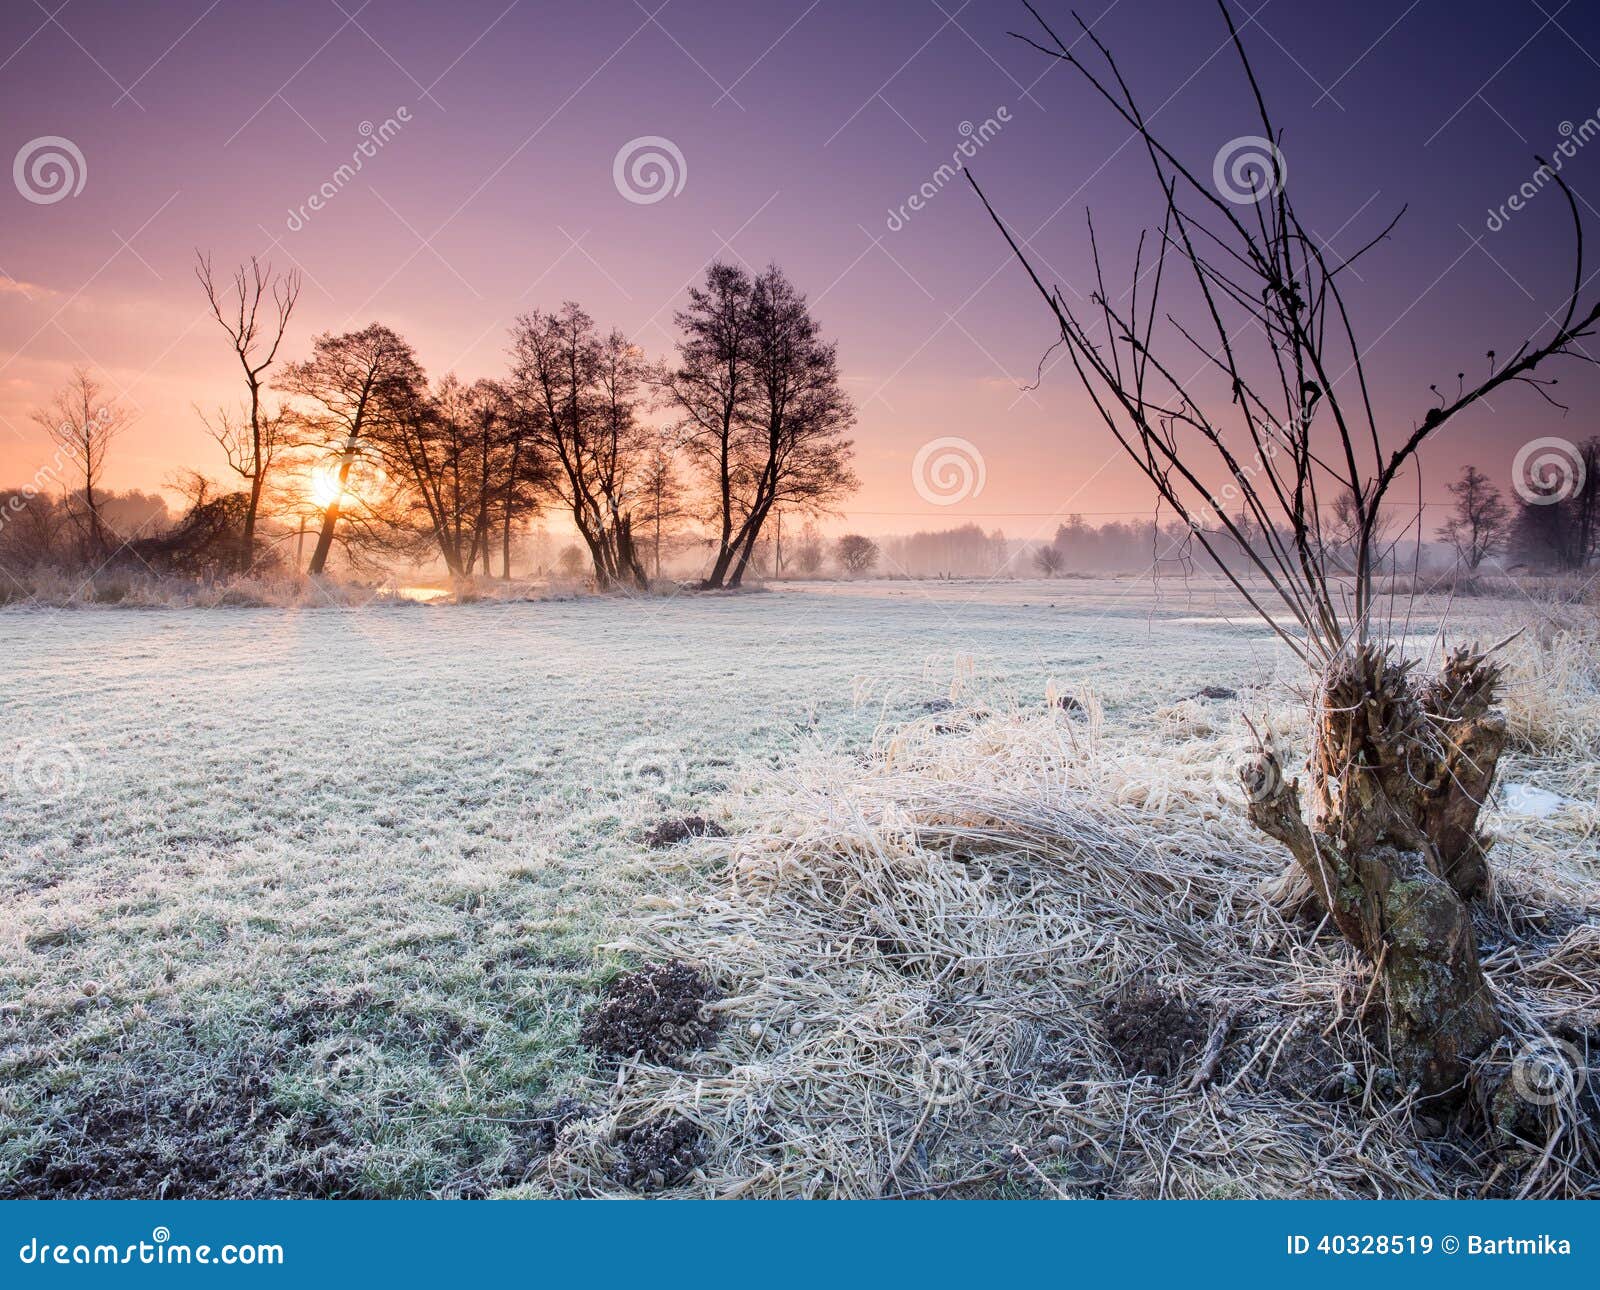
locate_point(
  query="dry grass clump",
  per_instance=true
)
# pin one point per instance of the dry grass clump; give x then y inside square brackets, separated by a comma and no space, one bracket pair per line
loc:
[1552,687]
[1014,955]
[125,587]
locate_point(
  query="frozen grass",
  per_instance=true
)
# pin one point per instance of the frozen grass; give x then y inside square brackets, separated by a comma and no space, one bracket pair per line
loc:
[310,902]
[921,958]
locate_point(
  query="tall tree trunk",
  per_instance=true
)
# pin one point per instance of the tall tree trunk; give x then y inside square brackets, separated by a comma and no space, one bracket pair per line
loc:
[1399,773]
[247,539]
[330,517]
[319,553]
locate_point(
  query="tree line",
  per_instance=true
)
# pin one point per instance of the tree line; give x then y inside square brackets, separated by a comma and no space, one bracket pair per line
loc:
[353,448]
[1549,527]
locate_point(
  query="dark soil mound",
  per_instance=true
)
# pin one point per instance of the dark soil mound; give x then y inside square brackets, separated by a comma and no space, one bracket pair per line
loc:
[653,1012]
[1154,1032]
[658,1153]
[149,1142]
[670,832]
[1215,692]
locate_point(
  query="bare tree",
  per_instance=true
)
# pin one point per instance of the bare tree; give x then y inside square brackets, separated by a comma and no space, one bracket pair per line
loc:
[524,476]
[1480,520]
[661,500]
[712,387]
[1048,560]
[1347,537]
[763,414]
[250,444]
[857,554]
[448,449]
[1399,767]
[580,395]
[357,390]
[82,422]
[808,552]
[798,457]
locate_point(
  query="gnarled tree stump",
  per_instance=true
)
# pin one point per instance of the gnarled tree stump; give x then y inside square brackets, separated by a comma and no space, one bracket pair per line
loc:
[1392,851]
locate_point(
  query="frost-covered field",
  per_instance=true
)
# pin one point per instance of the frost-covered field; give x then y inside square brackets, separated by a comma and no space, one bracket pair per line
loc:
[309,901]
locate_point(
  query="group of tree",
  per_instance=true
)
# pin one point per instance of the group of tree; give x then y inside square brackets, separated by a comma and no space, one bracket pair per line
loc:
[745,423]
[1555,525]
[1553,530]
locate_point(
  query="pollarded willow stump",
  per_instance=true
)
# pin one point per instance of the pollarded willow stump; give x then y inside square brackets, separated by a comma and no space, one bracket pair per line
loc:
[1399,773]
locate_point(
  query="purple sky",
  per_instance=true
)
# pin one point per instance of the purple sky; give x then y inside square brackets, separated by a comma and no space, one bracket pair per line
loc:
[802,125]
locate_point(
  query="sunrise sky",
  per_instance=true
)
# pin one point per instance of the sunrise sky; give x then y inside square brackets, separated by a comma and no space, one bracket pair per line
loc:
[802,124]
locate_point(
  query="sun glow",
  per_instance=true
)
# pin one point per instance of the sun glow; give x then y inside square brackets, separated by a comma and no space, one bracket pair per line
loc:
[325,489]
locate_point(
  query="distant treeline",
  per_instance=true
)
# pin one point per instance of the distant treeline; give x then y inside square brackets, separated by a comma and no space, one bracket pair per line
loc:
[352,451]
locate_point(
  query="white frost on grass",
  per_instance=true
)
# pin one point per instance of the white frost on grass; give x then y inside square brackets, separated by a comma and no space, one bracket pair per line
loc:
[338,877]
[1538,803]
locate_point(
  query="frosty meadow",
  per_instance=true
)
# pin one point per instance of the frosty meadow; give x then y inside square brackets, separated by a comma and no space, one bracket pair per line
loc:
[612,653]
[316,902]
